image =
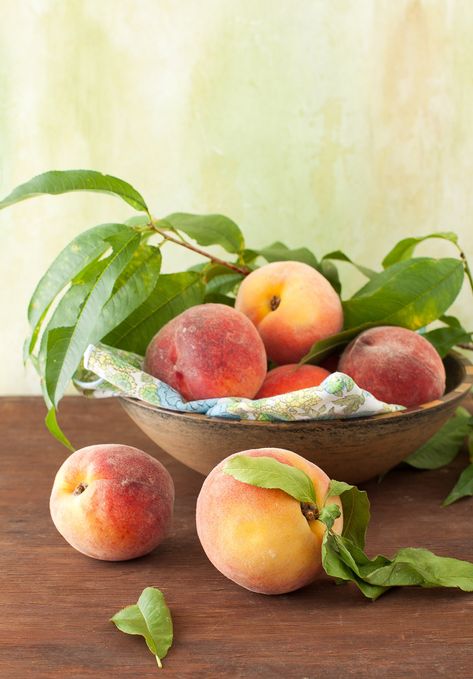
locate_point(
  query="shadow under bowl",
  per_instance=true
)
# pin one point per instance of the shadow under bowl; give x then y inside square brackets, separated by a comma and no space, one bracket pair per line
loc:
[351,450]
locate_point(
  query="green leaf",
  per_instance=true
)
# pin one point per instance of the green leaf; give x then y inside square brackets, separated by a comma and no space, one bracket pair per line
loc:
[151,619]
[462,488]
[329,514]
[451,321]
[79,253]
[132,288]
[266,472]
[66,345]
[344,560]
[63,181]
[278,252]
[405,248]
[443,339]
[54,428]
[218,298]
[356,511]
[330,272]
[444,446]
[207,229]
[219,279]
[410,294]
[338,562]
[325,347]
[172,294]
[342,257]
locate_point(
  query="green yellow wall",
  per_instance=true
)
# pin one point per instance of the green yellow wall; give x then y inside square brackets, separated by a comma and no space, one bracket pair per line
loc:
[329,123]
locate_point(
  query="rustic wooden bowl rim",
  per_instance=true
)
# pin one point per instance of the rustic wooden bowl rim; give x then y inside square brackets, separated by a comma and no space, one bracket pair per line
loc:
[455,394]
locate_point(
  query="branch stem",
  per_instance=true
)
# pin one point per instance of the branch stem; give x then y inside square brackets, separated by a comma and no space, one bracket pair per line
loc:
[244,271]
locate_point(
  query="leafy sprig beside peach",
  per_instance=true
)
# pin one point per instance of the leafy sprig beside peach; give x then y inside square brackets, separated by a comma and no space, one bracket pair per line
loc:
[106,286]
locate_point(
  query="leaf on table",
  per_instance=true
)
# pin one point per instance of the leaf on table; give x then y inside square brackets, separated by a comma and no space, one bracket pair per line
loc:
[462,488]
[356,510]
[172,294]
[64,181]
[344,560]
[66,345]
[406,247]
[411,294]
[266,472]
[150,618]
[444,445]
[207,229]
[78,254]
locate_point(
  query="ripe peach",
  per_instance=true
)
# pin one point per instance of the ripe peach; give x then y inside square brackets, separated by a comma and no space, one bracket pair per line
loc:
[112,502]
[208,351]
[291,377]
[292,305]
[260,538]
[396,365]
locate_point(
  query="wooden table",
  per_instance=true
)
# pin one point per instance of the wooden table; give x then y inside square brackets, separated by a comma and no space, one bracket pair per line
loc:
[56,603]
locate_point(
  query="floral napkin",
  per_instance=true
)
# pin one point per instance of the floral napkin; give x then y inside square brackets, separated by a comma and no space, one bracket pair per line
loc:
[113,372]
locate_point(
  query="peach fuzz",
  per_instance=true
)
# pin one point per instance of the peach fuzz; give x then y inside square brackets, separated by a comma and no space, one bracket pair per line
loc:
[292,305]
[112,502]
[208,351]
[396,365]
[260,538]
[291,377]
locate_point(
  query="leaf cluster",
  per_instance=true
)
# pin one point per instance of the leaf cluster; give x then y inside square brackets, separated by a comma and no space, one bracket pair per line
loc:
[106,284]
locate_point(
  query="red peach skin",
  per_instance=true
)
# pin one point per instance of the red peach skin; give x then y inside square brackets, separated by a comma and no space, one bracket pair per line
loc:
[292,305]
[291,377]
[396,365]
[260,538]
[208,351]
[112,502]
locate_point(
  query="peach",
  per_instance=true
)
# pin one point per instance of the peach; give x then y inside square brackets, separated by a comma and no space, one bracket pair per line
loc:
[292,305]
[208,351]
[291,377]
[264,540]
[396,365]
[112,502]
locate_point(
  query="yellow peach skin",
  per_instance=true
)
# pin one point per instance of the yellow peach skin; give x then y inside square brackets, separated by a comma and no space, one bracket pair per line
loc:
[112,502]
[260,538]
[292,305]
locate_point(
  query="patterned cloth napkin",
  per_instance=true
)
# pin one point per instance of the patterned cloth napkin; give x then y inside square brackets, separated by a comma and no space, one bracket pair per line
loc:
[114,372]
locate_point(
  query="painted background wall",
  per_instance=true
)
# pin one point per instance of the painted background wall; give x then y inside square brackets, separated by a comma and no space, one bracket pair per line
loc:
[341,124]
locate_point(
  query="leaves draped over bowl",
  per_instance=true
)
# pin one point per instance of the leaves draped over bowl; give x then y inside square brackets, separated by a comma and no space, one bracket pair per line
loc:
[106,284]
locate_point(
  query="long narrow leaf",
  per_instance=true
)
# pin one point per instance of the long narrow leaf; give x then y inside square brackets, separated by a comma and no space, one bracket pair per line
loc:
[172,294]
[411,294]
[80,252]
[64,181]
[406,247]
[66,345]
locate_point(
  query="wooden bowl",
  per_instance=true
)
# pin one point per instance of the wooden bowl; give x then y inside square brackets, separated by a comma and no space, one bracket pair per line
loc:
[350,450]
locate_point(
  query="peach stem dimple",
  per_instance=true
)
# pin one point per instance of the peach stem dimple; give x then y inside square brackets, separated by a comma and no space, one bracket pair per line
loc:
[274,302]
[80,488]
[310,511]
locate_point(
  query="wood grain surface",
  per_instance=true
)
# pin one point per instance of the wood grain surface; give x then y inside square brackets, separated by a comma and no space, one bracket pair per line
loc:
[56,603]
